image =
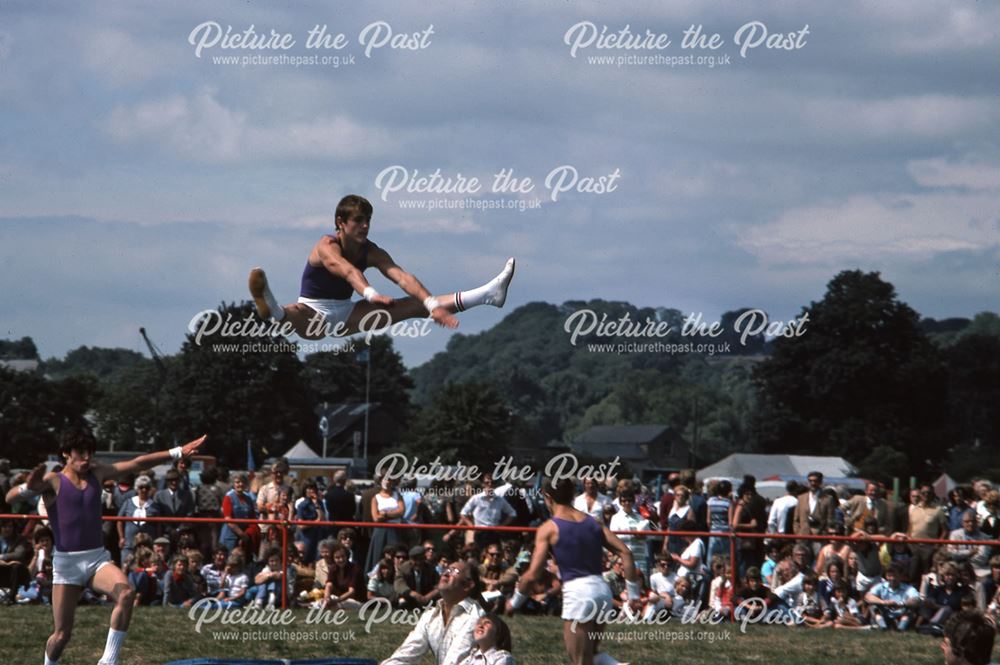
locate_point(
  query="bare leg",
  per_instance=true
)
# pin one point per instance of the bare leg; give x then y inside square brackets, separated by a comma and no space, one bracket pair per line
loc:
[578,644]
[112,581]
[64,600]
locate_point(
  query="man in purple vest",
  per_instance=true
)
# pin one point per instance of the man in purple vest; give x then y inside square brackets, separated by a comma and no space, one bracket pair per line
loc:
[73,501]
[334,272]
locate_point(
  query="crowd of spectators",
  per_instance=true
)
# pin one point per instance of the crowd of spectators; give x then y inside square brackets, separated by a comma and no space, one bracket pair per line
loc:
[860,582]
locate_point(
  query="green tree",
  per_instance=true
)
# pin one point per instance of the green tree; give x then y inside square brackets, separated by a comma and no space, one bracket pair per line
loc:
[467,423]
[340,377]
[238,389]
[34,412]
[862,374]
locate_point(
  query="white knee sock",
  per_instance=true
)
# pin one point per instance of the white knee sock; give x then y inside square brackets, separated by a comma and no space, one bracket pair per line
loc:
[277,311]
[49,661]
[493,292]
[112,647]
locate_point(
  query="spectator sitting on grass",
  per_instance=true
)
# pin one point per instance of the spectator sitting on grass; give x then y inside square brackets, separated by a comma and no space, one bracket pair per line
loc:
[383,584]
[968,639]
[934,575]
[492,643]
[15,553]
[945,598]
[345,584]
[753,598]
[39,589]
[833,575]
[234,583]
[893,602]
[142,575]
[446,628]
[844,611]
[178,587]
[987,589]
[268,581]
[660,597]
[194,567]
[212,572]
[808,605]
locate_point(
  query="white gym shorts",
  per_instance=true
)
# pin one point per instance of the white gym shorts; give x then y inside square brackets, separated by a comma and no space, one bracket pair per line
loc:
[584,599]
[334,312]
[78,568]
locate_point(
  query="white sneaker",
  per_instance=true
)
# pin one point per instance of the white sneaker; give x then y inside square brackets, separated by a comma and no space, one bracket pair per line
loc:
[498,296]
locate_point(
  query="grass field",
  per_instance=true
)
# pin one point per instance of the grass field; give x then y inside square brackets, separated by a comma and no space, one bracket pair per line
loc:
[161,635]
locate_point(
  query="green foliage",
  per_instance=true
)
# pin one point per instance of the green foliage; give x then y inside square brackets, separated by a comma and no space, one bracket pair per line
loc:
[862,375]
[883,464]
[255,393]
[339,377]
[33,412]
[465,422]
[21,349]
[93,361]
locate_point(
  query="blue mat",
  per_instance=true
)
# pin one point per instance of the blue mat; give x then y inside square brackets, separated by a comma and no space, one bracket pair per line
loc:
[239,661]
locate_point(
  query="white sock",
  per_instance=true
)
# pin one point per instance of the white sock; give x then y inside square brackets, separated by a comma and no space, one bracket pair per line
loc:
[277,311]
[113,646]
[603,658]
[493,292]
[49,661]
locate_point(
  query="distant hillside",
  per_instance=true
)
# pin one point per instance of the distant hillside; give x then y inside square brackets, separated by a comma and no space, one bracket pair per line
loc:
[558,388]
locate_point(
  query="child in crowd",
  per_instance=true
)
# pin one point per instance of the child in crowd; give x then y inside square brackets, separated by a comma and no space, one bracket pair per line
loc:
[233,583]
[492,642]
[808,606]
[39,589]
[178,586]
[268,581]
[844,611]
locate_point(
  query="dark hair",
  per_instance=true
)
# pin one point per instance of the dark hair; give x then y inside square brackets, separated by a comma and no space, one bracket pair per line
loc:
[723,488]
[340,547]
[627,494]
[209,476]
[347,531]
[817,474]
[561,492]
[274,551]
[80,439]
[41,531]
[896,568]
[352,204]
[503,630]
[971,636]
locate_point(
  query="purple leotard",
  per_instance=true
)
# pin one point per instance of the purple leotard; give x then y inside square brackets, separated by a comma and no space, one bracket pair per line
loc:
[322,284]
[75,515]
[579,549]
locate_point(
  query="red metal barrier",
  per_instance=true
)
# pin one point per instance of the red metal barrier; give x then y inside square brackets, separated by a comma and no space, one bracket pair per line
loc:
[285,524]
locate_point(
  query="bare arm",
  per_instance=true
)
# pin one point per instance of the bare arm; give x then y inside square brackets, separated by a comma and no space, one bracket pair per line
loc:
[410,285]
[538,557]
[379,258]
[143,462]
[333,260]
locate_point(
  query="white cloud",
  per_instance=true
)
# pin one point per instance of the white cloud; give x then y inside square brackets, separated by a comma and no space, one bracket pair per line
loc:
[940,172]
[877,228]
[118,58]
[202,129]
[919,116]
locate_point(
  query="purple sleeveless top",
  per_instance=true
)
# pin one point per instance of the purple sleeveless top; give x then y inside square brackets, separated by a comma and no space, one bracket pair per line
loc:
[75,515]
[579,549]
[321,284]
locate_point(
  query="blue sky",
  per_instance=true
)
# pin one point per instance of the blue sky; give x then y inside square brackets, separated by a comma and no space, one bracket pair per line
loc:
[139,183]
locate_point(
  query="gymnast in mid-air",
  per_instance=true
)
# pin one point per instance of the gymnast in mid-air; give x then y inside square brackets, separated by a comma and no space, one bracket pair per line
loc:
[334,272]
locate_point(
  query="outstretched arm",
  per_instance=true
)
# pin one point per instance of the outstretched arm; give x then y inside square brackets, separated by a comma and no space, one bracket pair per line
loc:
[335,263]
[411,286]
[148,461]
[37,482]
